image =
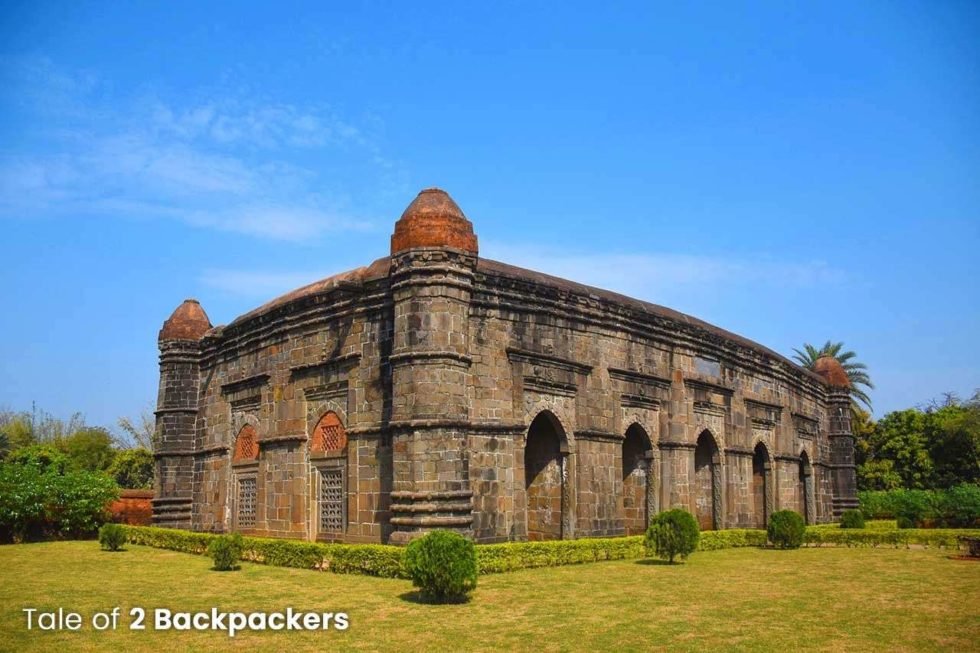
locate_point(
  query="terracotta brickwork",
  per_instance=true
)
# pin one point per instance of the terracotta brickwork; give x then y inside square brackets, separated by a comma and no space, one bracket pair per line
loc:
[436,389]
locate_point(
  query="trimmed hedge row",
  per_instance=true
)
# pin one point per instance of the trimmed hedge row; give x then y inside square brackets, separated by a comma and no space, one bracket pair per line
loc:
[511,556]
[943,538]
[365,559]
[387,561]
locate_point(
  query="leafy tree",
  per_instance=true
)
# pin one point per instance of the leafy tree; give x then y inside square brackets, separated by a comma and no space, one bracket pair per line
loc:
[90,449]
[953,434]
[133,469]
[857,373]
[16,428]
[43,456]
[39,501]
[140,431]
[900,437]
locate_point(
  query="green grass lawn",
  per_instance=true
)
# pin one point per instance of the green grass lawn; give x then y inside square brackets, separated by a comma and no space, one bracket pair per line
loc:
[817,599]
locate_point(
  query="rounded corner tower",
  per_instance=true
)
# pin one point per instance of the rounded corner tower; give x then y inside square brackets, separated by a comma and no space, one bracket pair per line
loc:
[434,389]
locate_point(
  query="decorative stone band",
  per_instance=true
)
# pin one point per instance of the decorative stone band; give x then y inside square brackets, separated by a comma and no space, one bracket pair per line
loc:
[602,436]
[677,445]
[172,511]
[429,357]
[739,451]
[245,383]
[458,280]
[786,458]
[214,449]
[180,410]
[295,437]
[449,508]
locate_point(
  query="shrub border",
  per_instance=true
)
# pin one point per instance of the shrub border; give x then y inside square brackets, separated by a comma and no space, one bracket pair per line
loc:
[386,561]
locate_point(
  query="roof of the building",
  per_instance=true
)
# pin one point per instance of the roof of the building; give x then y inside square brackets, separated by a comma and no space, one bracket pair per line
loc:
[433,220]
[188,322]
[380,268]
[832,372]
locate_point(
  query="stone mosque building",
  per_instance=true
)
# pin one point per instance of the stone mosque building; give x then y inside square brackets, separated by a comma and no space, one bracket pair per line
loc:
[434,389]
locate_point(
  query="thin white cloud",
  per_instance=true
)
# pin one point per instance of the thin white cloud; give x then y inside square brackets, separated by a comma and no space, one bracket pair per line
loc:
[661,277]
[224,164]
[257,283]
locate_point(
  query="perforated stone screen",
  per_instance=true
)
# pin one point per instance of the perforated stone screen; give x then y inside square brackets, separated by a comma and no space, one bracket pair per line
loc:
[246,444]
[331,500]
[329,434]
[246,502]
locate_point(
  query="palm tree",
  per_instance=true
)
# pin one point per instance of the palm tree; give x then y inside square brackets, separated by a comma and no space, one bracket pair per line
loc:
[856,372]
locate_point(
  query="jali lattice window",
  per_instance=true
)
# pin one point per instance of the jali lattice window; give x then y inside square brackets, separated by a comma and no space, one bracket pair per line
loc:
[332,500]
[246,502]
[329,434]
[246,444]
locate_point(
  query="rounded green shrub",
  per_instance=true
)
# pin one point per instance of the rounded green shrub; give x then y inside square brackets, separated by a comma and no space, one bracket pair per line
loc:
[672,534]
[786,529]
[852,519]
[112,537]
[442,565]
[226,550]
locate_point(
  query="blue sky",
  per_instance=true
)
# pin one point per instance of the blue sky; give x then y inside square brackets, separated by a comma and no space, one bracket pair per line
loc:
[792,172]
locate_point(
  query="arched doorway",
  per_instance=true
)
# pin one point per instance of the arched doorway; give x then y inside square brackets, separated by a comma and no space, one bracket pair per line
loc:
[636,476]
[707,482]
[544,477]
[806,488]
[762,490]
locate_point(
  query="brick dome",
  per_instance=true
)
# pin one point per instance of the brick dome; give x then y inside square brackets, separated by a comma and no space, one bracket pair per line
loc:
[188,322]
[832,372]
[433,220]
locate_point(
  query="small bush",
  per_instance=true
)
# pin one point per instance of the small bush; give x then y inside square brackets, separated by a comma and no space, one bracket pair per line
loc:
[112,537]
[671,534]
[226,550]
[852,519]
[786,529]
[442,565]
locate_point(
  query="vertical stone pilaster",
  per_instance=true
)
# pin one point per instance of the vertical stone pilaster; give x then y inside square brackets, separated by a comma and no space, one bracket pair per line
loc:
[176,422]
[430,376]
[842,465]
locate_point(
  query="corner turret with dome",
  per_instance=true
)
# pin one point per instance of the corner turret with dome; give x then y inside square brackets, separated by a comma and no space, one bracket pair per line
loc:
[437,389]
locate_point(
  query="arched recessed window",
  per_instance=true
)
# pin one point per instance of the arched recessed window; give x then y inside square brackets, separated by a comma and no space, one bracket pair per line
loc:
[246,444]
[328,447]
[329,434]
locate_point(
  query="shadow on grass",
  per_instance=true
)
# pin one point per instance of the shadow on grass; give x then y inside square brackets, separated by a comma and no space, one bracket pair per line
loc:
[655,562]
[419,599]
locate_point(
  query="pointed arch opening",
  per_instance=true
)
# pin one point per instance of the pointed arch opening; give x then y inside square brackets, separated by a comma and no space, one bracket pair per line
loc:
[762,485]
[246,445]
[637,456]
[545,477]
[707,482]
[806,488]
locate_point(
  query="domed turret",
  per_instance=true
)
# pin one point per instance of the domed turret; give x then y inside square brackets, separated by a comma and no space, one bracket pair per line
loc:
[832,372]
[188,322]
[433,220]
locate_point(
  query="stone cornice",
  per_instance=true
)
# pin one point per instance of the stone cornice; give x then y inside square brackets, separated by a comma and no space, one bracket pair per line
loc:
[546,360]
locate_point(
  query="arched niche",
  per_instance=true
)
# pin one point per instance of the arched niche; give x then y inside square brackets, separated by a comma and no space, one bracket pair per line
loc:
[637,479]
[545,477]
